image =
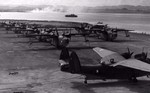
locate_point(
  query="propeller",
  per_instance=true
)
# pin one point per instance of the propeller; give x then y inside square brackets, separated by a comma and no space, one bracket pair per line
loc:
[127,54]
[142,56]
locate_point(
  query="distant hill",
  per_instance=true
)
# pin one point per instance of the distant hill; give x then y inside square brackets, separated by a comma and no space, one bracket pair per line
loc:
[82,9]
[20,8]
[118,9]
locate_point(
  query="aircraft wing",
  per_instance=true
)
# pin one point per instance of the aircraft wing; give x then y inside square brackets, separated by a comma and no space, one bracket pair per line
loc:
[107,55]
[134,64]
[120,29]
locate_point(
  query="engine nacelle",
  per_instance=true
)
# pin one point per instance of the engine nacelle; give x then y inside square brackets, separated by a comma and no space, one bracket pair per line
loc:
[63,41]
[109,35]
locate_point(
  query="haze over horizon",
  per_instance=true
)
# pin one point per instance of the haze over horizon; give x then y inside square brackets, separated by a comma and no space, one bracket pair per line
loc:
[76,2]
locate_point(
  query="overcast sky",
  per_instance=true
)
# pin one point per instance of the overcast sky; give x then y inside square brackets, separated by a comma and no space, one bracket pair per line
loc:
[76,2]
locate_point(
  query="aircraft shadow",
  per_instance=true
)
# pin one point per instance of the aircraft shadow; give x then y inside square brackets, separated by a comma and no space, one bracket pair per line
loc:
[141,87]
[54,48]
[15,36]
[10,37]
[79,48]
[100,40]
[120,41]
[87,41]
[9,32]
[41,49]
[115,41]
[21,42]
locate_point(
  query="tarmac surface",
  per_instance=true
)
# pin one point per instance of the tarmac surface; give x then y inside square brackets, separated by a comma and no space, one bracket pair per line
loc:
[34,68]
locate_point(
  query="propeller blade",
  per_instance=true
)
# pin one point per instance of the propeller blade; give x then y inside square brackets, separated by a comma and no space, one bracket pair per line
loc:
[128,50]
[146,54]
[131,53]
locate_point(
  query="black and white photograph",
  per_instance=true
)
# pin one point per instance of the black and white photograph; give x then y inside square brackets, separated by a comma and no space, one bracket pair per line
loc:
[74,46]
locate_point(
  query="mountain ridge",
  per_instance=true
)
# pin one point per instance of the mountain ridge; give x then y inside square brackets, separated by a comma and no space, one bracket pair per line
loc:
[80,9]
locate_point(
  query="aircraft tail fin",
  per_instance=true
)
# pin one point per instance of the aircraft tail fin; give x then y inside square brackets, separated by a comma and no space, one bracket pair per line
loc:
[75,66]
[64,55]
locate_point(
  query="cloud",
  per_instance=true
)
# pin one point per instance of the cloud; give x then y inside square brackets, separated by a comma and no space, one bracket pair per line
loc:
[58,8]
[75,2]
[44,10]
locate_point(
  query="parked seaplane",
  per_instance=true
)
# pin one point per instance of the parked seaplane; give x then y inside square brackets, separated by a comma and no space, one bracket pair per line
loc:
[60,36]
[111,66]
[53,37]
[100,30]
[104,32]
[41,33]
